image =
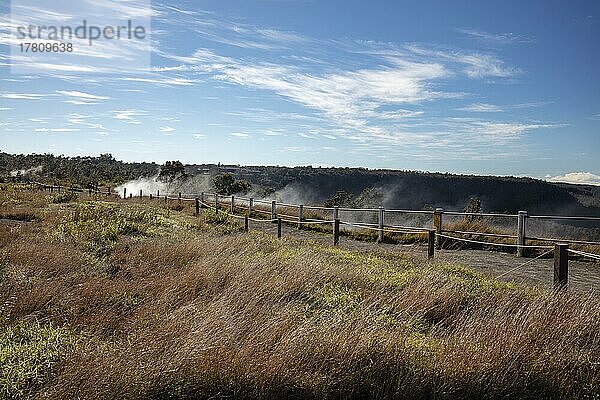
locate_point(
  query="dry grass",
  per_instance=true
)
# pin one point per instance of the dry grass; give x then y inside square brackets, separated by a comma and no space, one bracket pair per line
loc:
[184,309]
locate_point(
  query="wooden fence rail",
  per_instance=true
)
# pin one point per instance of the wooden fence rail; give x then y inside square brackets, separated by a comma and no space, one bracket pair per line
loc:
[435,235]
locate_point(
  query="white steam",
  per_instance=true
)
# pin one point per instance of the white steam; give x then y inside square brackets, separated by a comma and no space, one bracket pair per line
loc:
[193,185]
[24,172]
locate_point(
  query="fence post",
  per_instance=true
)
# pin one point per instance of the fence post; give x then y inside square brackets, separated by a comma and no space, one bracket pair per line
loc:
[233,204]
[124,193]
[521,227]
[158,193]
[273,210]
[130,195]
[381,216]
[166,200]
[202,199]
[430,244]
[179,199]
[141,193]
[150,196]
[437,223]
[279,228]
[246,223]
[561,266]
[336,212]
[250,206]
[336,231]
[300,215]
[197,206]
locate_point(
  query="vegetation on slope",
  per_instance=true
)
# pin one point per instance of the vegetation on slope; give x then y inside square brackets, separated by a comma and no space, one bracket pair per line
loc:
[82,171]
[342,186]
[177,307]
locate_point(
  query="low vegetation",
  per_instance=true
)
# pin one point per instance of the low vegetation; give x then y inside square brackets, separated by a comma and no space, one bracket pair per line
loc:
[102,300]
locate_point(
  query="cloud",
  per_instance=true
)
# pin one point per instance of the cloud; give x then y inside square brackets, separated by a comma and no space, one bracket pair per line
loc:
[163,81]
[481,107]
[240,135]
[198,136]
[496,131]
[167,129]
[67,67]
[350,98]
[474,65]
[128,116]
[23,96]
[81,98]
[485,65]
[579,178]
[81,95]
[497,38]
[369,105]
[56,130]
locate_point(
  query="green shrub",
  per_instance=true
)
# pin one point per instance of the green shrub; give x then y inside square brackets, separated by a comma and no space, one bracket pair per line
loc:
[102,223]
[64,197]
[28,355]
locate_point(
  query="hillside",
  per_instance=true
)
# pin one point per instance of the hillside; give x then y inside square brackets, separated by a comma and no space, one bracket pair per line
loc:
[360,186]
[417,190]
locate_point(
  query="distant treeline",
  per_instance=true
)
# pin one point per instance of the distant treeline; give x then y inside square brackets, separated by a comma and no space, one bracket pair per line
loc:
[81,171]
[391,188]
[424,190]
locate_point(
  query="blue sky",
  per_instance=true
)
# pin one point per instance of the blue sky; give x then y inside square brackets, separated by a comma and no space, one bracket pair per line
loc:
[507,88]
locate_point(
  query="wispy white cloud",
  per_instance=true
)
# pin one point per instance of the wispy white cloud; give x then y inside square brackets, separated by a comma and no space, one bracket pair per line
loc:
[81,95]
[167,129]
[481,107]
[475,65]
[128,116]
[295,149]
[485,65]
[162,81]
[23,96]
[531,104]
[580,178]
[56,130]
[240,135]
[497,38]
[350,98]
[47,67]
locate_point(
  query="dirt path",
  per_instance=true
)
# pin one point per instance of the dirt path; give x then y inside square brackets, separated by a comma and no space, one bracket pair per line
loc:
[584,277]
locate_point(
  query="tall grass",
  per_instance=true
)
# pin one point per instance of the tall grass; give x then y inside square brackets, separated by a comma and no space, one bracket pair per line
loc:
[190,310]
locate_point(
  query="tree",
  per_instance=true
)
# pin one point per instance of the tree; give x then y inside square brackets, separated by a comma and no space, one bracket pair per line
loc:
[171,170]
[227,185]
[473,206]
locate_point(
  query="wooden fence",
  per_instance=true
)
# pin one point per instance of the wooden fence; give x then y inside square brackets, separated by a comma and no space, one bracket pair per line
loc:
[435,236]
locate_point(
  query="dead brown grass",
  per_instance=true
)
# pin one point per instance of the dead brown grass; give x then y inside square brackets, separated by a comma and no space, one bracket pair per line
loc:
[196,312]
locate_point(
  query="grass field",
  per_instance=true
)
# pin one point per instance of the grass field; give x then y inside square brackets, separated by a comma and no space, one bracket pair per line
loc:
[103,300]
